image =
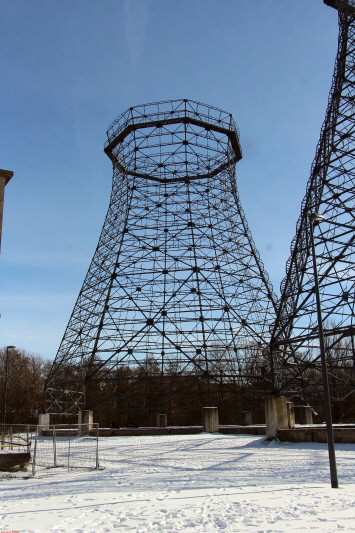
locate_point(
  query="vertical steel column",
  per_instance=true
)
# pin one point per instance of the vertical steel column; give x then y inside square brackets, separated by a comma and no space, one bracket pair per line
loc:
[315,219]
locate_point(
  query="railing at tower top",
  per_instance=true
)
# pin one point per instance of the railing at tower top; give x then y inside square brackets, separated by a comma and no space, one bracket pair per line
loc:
[179,109]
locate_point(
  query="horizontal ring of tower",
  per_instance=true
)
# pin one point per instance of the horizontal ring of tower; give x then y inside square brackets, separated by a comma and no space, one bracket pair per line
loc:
[188,141]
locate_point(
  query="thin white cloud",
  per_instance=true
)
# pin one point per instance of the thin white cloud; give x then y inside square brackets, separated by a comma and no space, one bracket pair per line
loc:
[136,22]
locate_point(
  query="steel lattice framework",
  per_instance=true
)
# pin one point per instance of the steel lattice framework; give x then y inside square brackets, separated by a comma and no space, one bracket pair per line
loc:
[330,192]
[176,286]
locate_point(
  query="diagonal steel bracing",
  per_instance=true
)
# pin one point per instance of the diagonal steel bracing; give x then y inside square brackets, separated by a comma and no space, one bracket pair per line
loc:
[176,287]
[330,192]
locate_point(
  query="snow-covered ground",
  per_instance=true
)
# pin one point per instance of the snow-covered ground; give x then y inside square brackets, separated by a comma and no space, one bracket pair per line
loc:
[190,483]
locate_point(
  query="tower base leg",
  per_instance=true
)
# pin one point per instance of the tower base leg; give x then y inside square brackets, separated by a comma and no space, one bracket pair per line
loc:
[162,420]
[43,422]
[291,415]
[276,415]
[246,418]
[85,422]
[303,414]
[210,419]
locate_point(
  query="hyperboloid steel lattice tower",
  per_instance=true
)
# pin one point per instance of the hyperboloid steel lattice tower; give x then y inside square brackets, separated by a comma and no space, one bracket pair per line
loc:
[331,193]
[176,289]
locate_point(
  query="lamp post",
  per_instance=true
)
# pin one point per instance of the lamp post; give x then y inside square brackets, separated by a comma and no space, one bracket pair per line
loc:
[315,219]
[5,381]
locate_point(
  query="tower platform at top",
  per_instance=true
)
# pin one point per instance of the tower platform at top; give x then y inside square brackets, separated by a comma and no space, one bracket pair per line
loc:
[173,141]
[341,4]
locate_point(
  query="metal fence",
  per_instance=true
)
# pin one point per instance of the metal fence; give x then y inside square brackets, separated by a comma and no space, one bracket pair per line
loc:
[51,449]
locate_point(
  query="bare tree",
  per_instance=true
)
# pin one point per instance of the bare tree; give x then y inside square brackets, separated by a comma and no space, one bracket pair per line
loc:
[25,377]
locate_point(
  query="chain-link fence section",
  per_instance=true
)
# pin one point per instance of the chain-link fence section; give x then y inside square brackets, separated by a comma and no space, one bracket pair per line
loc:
[39,450]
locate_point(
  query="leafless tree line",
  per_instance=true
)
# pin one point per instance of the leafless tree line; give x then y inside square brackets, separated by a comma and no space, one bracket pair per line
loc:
[235,382]
[23,377]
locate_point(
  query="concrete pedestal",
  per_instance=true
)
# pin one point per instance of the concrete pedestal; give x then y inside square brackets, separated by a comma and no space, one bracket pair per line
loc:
[162,420]
[43,422]
[290,415]
[276,415]
[246,418]
[210,419]
[303,414]
[85,422]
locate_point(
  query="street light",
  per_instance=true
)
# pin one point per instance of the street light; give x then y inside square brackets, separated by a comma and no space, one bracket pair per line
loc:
[5,381]
[315,219]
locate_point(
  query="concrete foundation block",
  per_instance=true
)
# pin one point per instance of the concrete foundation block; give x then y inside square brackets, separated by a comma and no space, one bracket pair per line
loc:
[210,419]
[303,414]
[162,420]
[43,422]
[85,422]
[276,415]
[291,414]
[247,419]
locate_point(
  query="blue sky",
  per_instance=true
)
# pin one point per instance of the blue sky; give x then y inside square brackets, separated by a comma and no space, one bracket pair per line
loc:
[70,67]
